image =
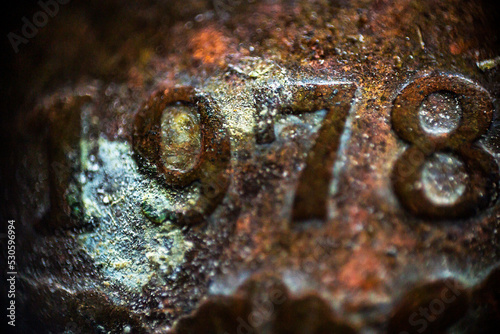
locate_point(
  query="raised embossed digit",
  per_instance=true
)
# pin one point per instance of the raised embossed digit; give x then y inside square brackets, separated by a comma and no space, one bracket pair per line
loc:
[482,177]
[210,163]
[314,182]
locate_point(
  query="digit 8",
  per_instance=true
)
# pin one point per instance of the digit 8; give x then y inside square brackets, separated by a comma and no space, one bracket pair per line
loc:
[481,168]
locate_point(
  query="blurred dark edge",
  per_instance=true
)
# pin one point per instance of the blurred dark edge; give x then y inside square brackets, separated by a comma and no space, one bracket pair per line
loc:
[10,98]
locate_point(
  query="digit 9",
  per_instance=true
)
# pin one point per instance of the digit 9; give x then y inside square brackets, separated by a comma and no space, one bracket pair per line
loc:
[209,167]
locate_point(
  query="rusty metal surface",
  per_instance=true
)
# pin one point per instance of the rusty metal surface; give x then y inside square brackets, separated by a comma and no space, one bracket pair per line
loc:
[257,167]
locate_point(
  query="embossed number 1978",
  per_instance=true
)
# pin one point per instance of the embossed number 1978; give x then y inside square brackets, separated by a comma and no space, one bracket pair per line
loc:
[336,98]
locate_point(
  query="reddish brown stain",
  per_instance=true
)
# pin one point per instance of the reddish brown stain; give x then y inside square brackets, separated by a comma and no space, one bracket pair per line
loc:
[209,46]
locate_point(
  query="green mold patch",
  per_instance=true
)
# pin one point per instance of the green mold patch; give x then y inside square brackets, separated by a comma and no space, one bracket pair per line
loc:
[132,239]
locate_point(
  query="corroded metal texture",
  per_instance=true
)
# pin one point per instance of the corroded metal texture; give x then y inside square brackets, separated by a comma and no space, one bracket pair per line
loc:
[257,167]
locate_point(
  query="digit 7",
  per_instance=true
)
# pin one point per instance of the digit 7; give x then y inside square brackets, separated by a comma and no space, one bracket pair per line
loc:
[313,187]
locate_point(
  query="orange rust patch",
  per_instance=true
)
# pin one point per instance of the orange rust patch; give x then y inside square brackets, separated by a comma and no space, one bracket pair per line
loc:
[457,48]
[243,225]
[209,46]
[362,271]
